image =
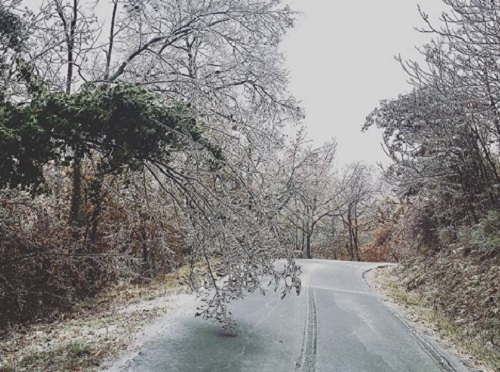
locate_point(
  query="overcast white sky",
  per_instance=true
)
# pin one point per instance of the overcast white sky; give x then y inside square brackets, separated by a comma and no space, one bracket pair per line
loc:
[341,61]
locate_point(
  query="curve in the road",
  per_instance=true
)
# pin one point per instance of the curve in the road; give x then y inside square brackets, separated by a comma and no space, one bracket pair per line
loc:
[358,333]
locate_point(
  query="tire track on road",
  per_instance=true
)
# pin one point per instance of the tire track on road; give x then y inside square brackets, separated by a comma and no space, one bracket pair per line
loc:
[307,359]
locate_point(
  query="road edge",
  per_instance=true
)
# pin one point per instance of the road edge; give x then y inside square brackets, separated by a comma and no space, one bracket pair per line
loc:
[447,359]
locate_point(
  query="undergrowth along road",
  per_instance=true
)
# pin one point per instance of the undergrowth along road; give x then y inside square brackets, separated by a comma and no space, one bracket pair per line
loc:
[417,307]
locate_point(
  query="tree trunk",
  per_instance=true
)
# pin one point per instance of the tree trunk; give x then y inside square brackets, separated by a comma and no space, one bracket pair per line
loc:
[308,245]
[146,266]
[91,251]
[356,240]
[351,239]
[76,193]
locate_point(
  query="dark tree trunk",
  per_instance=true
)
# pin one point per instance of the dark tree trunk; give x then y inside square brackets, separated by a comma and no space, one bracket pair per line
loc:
[308,245]
[76,193]
[91,246]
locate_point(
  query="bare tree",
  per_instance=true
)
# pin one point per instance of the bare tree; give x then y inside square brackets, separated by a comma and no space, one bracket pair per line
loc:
[221,61]
[357,200]
[444,136]
[315,194]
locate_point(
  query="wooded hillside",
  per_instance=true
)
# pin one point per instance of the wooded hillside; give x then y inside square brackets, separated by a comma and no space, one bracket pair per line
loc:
[444,142]
[139,136]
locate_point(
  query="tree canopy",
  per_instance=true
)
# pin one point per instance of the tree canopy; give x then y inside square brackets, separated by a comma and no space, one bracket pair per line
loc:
[125,125]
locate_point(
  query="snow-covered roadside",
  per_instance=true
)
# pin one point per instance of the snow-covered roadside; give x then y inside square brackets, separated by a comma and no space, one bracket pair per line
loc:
[423,320]
[152,331]
[98,332]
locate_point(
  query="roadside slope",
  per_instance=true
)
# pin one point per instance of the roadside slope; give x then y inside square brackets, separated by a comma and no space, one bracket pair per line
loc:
[455,299]
[98,329]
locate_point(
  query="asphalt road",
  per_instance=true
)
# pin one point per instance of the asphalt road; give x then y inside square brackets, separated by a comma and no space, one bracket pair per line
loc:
[336,324]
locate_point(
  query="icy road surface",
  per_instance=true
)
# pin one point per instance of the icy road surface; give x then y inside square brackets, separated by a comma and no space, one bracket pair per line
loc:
[336,324]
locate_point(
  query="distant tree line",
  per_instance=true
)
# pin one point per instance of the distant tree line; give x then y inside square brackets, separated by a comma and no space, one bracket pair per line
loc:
[139,136]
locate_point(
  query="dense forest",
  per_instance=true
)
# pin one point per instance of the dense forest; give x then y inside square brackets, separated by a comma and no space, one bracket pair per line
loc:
[139,136]
[444,140]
